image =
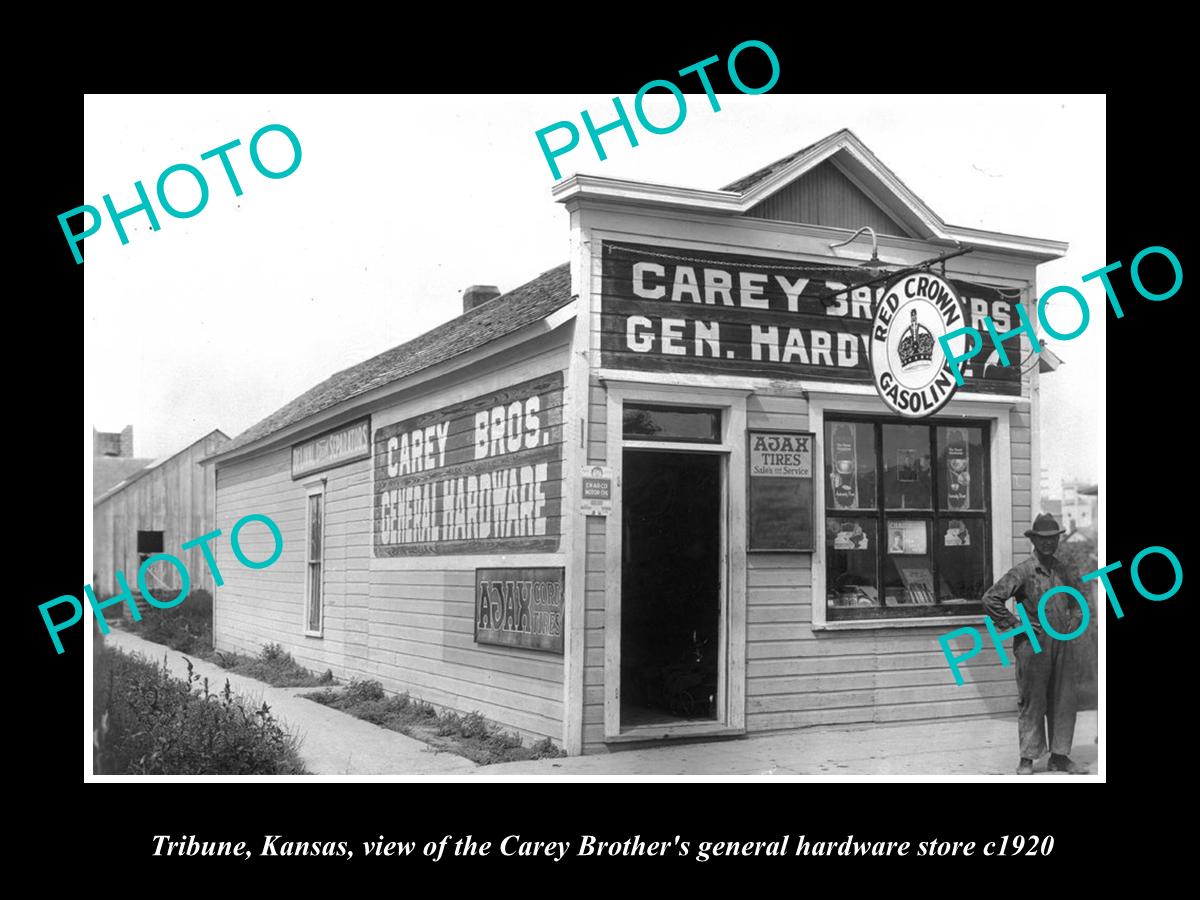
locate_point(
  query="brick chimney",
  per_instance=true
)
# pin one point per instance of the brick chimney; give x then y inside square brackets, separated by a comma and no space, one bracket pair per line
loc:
[479,294]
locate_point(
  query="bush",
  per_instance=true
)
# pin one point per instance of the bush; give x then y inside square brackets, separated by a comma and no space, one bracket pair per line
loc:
[186,627]
[161,725]
[274,665]
[469,735]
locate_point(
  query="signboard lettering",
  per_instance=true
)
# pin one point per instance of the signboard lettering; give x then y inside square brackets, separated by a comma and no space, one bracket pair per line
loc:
[476,477]
[780,495]
[520,608]
[346,444]
[684,310]
[597,490]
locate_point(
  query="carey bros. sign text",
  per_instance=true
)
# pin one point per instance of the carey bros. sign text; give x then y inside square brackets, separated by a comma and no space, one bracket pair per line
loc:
[683,310]
[477,477]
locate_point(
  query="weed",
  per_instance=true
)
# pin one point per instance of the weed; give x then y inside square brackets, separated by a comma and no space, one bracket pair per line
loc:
[274,665]
[469,735]
[162,725]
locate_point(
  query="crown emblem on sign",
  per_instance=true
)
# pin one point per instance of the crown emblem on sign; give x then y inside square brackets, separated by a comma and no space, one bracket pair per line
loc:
[916,344]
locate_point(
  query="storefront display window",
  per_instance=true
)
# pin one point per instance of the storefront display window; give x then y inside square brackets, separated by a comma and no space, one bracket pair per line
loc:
[900,554]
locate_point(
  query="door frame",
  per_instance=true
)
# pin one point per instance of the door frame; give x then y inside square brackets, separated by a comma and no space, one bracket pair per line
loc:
[731,670]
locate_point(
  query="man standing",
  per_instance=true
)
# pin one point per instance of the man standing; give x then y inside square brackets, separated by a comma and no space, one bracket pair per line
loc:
[1046,682]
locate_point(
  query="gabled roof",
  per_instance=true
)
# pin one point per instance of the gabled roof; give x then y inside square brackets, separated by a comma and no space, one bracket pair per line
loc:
[111,470]
[507,313]
[849,155]
[149,466]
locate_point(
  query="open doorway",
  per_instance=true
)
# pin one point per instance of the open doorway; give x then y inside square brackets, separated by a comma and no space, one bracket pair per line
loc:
[670,586]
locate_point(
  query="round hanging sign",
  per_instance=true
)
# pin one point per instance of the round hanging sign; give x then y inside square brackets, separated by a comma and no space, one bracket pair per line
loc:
[909,368]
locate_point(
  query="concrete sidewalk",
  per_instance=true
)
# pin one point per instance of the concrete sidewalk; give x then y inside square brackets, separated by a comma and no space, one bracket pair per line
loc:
[968,747]
[334,743]
[339,744]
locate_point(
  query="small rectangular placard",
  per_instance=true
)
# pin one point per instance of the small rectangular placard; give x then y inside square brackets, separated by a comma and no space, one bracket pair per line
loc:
[334,448]
[520,608]
[780,502]
[596,489]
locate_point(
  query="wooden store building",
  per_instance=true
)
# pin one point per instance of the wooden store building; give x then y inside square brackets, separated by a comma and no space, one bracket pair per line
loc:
[708,477]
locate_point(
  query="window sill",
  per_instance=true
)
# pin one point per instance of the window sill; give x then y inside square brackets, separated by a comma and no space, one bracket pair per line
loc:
[860,624]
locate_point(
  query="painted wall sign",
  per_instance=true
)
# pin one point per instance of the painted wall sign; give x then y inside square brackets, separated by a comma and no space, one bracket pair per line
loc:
[596,499]
[335,448]
[910,369]
[476,477]
[685,310]
[520,608]
[780,509]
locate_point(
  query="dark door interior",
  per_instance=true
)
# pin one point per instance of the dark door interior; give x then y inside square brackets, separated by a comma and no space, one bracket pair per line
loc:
[670,586]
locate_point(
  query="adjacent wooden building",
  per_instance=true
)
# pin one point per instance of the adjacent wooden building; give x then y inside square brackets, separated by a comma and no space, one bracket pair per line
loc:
[654,492]
[156,509]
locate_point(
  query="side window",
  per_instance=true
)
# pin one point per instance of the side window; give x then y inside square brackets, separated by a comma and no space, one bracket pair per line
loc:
[314,561]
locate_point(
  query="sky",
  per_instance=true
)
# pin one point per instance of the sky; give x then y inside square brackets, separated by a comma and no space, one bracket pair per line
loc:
[400,202]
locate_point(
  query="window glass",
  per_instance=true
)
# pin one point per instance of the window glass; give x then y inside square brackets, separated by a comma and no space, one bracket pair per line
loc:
[314,597]
[960,551]
[851,553]
[906,467]
[850,465]
[672,423]
[314,527]
[907,574]
[960,468]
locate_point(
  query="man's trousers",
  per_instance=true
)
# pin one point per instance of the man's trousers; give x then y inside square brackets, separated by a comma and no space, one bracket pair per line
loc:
[1048,692]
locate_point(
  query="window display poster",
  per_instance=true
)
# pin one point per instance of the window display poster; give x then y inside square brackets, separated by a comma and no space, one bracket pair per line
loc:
[958,466]
[850,536]
[906,464]
[957,534]
[780,513]
[918,581]
[906,536]
[845,467]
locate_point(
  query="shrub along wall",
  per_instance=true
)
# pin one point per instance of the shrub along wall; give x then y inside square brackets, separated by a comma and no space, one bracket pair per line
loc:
[151,723]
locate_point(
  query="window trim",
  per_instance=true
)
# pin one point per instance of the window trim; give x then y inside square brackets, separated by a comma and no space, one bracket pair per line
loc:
[999,465]
[314,489]
[933,516]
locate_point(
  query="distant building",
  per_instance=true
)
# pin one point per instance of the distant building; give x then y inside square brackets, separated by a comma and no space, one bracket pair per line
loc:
[112,459]
[1079,505]
[154,509]
[1046,488]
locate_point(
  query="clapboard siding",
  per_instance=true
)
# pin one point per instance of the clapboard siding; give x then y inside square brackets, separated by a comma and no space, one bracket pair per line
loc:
[1021,440]
[825,196]
[175,497]
[595,576]
[797,677]
[408,624]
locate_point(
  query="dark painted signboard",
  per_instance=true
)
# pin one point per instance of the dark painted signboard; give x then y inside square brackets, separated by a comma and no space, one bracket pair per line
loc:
[520,608]
[780,507]
[683,310]
[334,448]
[483,476]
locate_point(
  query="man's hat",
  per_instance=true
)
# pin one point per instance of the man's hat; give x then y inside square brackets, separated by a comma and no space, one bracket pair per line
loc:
[1044,525]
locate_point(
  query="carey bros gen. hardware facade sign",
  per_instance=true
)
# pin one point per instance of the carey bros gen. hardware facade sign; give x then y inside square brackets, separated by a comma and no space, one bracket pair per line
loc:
[477,477]
[668,309]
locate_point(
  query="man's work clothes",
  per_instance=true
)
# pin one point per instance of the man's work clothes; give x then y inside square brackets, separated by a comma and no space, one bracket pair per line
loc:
[1047,682]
